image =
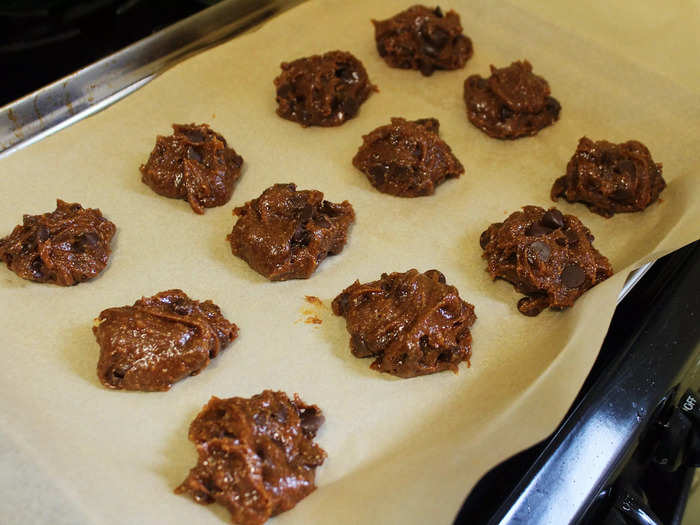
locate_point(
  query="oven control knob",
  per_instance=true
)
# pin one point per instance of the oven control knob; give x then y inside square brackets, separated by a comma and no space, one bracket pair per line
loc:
[690,406]
[673,440]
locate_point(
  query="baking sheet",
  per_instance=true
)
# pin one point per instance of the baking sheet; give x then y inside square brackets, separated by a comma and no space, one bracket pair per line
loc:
[399,450]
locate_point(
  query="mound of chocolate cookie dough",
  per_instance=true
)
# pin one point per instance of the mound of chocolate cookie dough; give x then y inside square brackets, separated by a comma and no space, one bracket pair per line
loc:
[547,256]
[159,340]
[513,102]
[285,233]
[257,456]
[194,164]
[407,159]
[66,246]
[424,39]
[610,178]
[322,90]
[412,323]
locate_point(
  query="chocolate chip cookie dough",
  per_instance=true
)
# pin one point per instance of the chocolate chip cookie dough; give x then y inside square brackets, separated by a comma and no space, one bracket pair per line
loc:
[513,102]
[322,90]
[194,164]
[257,456]
[547,256]
[610,178]
[285,233]
[65,247]
[424,39]
[159,340]
[412,323]
[407,159]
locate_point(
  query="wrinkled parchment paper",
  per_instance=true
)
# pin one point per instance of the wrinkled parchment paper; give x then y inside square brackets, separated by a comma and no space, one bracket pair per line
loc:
[399,451]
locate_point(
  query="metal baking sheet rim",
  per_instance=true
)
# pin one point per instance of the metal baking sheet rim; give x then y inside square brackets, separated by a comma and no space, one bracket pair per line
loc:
[128,71]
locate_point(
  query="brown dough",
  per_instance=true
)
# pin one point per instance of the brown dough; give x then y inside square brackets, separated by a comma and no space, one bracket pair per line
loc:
[424,39]
[610,178]
[511,103]
[159,340]
[546,255]
[194,164]
[256,456]
[322,90]
[412,323]
[285,234]
[65,247]
[407,159]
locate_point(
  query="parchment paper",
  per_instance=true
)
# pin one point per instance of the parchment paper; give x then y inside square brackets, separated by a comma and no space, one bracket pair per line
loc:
[399,451]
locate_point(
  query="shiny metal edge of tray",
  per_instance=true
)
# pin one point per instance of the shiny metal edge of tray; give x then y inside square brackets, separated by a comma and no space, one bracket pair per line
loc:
[99,85]
[112,78]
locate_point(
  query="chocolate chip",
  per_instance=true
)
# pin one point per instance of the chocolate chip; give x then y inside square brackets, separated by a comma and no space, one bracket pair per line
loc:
[118,374]
[90,238]
[359,348]
[540,250]
[346,75]
[571,237]
[573,276]
[342,303]
[281,414]
[42,233]
[193,135]
[349,106]
[302,236]
[193,154]
[552,106]
[423,342]
[436,275]
[83,241]
[181,308]
[29,245]
[445,356]
[561,241]
[378,172]
[506,113]
[435,40]
[538,229]
[484,239]
[553,219]
[426,68]
[306,212]
[622,195]
[438,12]
[36,267]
